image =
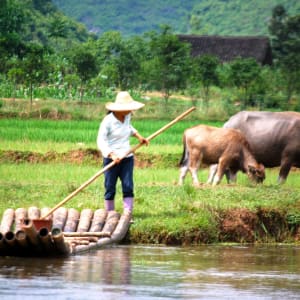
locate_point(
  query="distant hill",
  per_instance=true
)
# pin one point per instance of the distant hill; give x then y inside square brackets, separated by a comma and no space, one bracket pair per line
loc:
[134,17]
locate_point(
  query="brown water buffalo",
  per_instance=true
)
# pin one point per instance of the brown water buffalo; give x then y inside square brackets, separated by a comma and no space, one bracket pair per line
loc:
[274,138]
[225,146]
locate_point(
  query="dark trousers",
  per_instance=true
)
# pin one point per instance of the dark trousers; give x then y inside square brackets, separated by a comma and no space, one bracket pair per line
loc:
[124,171]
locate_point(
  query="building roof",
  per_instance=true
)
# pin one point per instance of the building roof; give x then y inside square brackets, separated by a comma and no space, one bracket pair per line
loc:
[227,48]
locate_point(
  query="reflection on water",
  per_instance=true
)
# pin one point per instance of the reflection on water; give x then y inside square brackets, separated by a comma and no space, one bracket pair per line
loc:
[153,272]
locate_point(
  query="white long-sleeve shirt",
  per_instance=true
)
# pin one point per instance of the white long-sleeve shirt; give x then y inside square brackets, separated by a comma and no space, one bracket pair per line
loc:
[113,135]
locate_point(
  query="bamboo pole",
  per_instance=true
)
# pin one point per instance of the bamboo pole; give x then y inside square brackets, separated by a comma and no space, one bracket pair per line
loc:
[87,234]
[45,211]
[100,172]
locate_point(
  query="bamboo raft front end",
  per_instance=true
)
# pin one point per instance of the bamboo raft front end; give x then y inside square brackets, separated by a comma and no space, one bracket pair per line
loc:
[71,231]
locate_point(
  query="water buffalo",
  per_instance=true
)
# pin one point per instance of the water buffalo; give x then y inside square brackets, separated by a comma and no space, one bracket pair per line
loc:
[227,147]
[274,138]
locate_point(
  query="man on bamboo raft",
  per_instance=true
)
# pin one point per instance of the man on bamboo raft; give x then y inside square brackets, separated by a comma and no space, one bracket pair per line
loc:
[114,143]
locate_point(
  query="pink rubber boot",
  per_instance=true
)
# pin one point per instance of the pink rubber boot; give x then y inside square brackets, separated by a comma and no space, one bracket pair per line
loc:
[109,205]
[128,204]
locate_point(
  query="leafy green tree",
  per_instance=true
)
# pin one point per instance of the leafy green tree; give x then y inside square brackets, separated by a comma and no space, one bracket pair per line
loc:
[12,19]
[86,66]
[15,73]
[58,28]
[35,66]
[243,74]
[205,73]
[119,59]
[285,31]
[169,62]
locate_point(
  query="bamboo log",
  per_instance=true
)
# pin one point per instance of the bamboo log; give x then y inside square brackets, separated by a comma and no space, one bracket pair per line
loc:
[7,220]
[58,238]
[79,242]
[21,238]
[33,213]
[111,221]
[121,228]
[46,240]
[20,216]
[81,238]
[3,245]
[85,220]
[87,234]
[44,211]
[10,238]
[72,220]
[60,217]
[98,220]
[83,248]
[31,234]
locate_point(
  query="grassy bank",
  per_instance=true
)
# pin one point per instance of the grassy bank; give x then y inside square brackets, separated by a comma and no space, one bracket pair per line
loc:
[165,212]
[42,161]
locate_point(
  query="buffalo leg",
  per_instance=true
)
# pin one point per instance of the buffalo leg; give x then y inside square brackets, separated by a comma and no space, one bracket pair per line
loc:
[222,166]
[230,176]
[284,171]
[212,173]
[183,172]
[194,164]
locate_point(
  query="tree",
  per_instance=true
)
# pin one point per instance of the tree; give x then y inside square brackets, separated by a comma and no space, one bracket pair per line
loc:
[205,72]
[34,65]
[86,66]
[15,73]
[243,74]
[12,20]
[119,59]
[57,28]
[285,31]
[169,61]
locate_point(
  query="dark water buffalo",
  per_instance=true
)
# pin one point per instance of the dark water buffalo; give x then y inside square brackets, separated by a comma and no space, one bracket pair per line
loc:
[274,138]
[225,146]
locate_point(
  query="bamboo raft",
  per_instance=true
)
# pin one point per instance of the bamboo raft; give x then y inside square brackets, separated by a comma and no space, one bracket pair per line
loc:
[69,231]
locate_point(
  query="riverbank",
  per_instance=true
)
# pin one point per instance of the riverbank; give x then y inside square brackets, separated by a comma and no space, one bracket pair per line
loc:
[164,212]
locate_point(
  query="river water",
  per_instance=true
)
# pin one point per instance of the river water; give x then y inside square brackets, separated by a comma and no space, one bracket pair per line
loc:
[157,272]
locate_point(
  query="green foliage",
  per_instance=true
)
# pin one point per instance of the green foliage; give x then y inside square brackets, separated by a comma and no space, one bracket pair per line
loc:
[205,72]
[285,33]
[65,67]
[170,61]
[235,17]
[130,17]
[85,64]
[244,73]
